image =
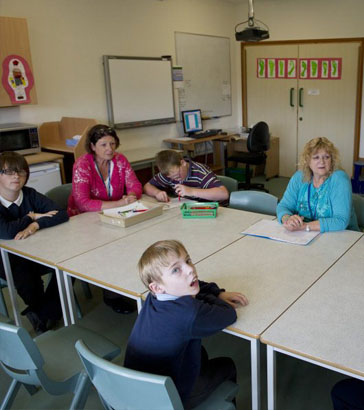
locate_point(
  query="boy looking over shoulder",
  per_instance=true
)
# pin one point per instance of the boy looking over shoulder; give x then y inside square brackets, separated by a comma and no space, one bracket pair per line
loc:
[185,178]
[179,311]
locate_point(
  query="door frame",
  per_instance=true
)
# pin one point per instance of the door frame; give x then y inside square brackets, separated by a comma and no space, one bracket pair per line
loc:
[359,80]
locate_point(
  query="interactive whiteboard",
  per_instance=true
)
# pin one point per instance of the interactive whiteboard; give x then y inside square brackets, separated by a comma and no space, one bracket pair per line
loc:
[139,91]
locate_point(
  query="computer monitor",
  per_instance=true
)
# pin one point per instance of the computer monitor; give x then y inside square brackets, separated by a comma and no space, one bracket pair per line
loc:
[192,121]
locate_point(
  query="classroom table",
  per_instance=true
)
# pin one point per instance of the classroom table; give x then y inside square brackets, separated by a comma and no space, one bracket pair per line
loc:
[114,265]
[273,275]
[77,236]
[325,325]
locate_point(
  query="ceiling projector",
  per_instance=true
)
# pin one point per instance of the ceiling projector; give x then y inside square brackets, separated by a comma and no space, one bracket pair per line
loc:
[252,32]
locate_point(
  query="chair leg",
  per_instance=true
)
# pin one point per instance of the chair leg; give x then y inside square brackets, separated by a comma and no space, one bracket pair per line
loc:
[10,395]
[81,392]
[3,307]
[86,289]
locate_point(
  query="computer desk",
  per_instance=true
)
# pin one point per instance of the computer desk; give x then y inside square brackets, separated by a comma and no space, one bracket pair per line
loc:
[188,144]
[79,235]
[325,325]
[273,275]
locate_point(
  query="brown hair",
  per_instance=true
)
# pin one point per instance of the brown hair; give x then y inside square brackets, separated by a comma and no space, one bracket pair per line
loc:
[167,159]
[157,256]
[14,161]
[311,148]
[97,132]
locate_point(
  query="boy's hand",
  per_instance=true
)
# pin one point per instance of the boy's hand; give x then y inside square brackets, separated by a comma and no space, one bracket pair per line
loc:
[162,196]
[235,299]
[29,230]
[183,190]
[36,216]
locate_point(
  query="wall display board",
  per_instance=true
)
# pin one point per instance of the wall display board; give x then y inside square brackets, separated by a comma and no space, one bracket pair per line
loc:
[139,91]
[205,62]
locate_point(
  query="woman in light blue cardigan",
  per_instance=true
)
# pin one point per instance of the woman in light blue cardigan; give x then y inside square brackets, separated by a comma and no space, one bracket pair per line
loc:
[318,196]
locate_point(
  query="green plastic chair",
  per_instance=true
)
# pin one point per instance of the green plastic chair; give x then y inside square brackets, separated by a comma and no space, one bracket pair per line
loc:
[358,203]
[254,201]
[122,388]
[49,361]
[3,308]
[229,183]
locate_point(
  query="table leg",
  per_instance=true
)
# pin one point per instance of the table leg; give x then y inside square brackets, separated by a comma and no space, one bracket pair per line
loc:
[61,290]
[11,287]
[271,377]
[70,297]
[255,372]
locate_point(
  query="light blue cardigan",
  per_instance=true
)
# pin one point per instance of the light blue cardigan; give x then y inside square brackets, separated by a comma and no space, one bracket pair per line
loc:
[331,203]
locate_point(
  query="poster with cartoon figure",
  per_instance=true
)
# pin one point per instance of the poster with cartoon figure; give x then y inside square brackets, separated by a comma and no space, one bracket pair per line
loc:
[17,79]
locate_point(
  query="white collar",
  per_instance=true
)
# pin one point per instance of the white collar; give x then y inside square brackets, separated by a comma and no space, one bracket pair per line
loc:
[164,296]
[7,203]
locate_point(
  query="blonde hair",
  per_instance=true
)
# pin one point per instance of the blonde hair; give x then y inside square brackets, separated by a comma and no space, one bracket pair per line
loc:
[311,148]
[158,256]
[167,159]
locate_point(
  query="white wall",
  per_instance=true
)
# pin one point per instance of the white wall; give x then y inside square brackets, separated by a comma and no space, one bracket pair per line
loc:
[69,37]
[309,19]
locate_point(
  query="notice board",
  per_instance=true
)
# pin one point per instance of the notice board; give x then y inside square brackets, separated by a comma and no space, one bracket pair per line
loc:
[205,62]
[139,90]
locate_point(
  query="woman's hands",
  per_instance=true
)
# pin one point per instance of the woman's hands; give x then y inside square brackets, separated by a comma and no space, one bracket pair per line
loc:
[29,230]
[293,222]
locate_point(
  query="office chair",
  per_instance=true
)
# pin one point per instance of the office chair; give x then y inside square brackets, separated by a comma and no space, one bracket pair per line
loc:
[257,144]
[229,183]
[358,204]
[119,387]
[49,361]
[254,201]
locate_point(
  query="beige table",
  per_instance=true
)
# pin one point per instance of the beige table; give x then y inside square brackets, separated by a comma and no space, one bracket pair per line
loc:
[273,275]
[114,266]
[80,234]
[324,326]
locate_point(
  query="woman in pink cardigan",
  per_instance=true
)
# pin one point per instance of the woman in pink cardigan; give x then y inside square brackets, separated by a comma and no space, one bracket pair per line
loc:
[104,179]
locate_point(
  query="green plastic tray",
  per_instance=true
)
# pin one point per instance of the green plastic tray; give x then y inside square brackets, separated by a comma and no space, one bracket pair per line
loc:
[192,210]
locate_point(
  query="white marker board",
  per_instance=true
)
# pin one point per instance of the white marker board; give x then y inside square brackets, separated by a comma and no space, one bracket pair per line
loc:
[139,91]
[205,62]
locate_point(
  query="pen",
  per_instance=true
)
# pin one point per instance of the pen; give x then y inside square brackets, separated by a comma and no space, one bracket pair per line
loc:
[179,197]
[140,210]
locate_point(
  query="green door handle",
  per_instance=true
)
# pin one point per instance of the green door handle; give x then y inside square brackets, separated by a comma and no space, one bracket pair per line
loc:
[291,91]
[300,100]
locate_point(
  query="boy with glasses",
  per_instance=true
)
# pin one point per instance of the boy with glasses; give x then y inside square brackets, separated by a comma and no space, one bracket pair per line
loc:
[23,211]
[184,178]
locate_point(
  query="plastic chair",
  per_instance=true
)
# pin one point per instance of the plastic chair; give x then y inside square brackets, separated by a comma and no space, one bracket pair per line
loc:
[230,184]
[358,203]
[254,201]
[119,387]
[49,361]
[258,143]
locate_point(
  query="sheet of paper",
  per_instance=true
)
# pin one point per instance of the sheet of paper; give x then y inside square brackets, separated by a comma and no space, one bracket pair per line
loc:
[175,203]
[274,230]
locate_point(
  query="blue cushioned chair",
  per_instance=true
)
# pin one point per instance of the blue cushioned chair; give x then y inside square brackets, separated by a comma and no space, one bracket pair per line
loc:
[122,388]
[229,183]
[254,201]
[358,203]
[49,361]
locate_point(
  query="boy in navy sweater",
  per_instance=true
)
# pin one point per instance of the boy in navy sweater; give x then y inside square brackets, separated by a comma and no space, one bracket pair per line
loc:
[178,312]
[23,211]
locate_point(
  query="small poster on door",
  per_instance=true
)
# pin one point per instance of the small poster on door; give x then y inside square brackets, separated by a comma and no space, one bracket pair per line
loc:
[303,68]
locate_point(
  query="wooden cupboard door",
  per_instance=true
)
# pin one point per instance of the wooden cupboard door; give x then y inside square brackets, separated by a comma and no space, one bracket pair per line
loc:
[269,100]
[329,106]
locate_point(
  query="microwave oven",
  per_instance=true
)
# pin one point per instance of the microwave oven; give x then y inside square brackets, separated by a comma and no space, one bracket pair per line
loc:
[22,138]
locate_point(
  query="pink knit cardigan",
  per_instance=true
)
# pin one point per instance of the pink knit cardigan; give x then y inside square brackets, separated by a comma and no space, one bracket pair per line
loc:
[88,189]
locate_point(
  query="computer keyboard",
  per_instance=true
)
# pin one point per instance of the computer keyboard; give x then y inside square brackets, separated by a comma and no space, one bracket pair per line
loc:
[204,134]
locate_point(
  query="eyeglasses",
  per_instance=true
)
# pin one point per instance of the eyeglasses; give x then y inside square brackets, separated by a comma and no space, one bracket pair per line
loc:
[12,172]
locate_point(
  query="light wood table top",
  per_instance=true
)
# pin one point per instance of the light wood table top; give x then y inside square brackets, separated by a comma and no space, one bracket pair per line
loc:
[326,323]
[115,264]
[271,274]
[42,157]
[80,234]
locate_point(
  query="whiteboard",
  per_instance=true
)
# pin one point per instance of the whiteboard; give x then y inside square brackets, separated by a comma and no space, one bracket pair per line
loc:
[205,62]
[139,91]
